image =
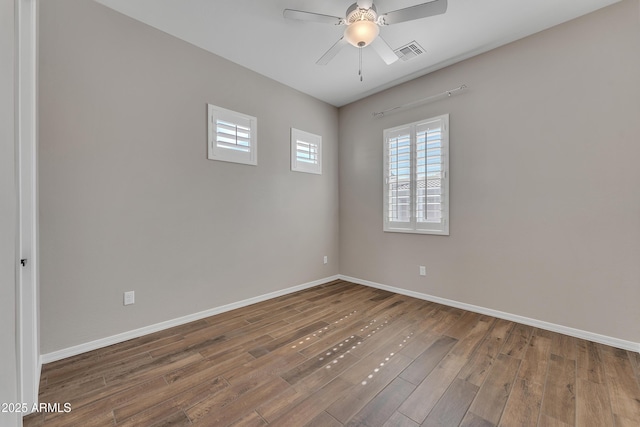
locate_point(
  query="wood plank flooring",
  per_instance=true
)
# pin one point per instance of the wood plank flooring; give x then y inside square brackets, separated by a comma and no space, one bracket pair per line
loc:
[341,354]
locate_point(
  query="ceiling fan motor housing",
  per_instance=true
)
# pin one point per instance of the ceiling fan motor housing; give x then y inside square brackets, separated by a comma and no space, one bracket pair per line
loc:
[354,13]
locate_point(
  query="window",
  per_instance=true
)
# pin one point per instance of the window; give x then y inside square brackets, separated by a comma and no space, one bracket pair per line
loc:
[232,136]
[306,152]
[416,180]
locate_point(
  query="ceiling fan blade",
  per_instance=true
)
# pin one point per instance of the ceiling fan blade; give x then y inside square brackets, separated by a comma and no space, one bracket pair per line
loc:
[331,53]
[365,4]
[424,10]
[312,17]
[384,50]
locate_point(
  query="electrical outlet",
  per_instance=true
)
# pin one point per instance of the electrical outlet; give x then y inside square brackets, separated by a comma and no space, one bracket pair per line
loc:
[129,297]
[326,259]
[423,270]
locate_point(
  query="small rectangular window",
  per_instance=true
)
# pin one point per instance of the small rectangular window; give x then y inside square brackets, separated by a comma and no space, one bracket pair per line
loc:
[232,136]
[306,152]
[416,186]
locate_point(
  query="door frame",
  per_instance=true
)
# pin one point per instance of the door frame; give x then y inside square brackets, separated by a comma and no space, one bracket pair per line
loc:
[27,302]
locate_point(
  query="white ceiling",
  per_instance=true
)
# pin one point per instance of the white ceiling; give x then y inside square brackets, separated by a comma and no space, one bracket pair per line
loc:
[254,34]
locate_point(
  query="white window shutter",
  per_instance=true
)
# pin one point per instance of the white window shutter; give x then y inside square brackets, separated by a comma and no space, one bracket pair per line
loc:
[232,136]
[431,182]
[416,192]
[398,177]
[306,152]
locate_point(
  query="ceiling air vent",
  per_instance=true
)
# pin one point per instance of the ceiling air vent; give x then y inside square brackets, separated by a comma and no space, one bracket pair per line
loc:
[409,51]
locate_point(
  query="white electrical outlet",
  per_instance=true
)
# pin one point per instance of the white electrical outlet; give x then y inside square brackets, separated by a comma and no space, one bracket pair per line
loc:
[326,259]
[423,270]
[129,297]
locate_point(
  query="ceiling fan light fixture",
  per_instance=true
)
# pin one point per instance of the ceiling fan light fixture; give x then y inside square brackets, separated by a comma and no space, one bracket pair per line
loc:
[361,33]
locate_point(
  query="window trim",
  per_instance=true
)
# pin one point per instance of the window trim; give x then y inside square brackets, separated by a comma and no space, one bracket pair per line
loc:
[413,226]
[215,152]
[301,166]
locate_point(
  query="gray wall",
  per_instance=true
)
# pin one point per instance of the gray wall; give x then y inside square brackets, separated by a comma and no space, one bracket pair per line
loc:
[8,361]
[545,200]
[128,199]
[545,209]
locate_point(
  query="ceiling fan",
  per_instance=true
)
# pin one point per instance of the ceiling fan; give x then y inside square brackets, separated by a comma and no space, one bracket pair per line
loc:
[363,25]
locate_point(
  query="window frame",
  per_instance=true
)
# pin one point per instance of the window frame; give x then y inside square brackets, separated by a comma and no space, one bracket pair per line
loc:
[298,165]
[413,225]
[221,153]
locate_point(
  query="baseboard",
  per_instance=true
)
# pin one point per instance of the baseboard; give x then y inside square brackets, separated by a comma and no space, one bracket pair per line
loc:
[578,333]
[114,339]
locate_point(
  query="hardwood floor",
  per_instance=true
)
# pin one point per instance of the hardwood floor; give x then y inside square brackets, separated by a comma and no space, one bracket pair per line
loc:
[343,354]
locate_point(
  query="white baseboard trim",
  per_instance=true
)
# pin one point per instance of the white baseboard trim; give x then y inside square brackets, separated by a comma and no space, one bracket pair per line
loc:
[578,333]
[114,339]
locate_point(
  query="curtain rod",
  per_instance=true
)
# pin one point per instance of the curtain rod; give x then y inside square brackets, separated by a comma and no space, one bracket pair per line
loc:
[423,100]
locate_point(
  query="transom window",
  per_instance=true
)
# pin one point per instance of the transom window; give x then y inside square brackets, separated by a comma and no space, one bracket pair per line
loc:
[232,136]
[306,152]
